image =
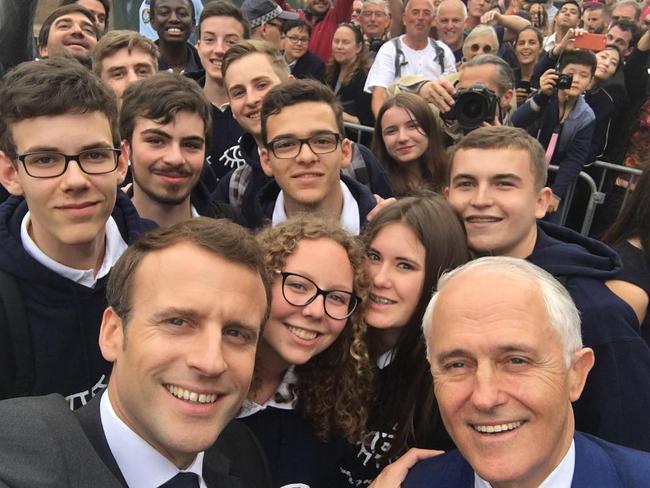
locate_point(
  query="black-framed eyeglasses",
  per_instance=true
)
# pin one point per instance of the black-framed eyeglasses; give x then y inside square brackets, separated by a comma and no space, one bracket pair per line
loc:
[298,40]
[290,147]
[300,291]
[50,164]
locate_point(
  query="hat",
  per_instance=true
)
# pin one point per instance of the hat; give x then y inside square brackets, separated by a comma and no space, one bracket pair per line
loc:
[573,2]
[258,11]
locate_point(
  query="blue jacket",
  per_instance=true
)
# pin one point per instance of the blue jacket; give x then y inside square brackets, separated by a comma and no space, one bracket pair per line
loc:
[615,403]
[574,145]
[599,464]
[63,317]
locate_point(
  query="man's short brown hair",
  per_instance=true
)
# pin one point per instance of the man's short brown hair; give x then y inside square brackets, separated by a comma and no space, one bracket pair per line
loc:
[161,97]
[221,8]
[48,88]
[503,137]
[44,33]
[115,40]
[252,46]
[221,237]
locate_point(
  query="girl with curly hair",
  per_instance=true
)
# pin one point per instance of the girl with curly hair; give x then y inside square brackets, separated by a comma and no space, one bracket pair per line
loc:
[409,245]
[408,143]
[313,380]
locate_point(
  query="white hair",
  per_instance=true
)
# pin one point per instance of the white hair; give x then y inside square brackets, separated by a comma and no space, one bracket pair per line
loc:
[562,312]
[378,2]
[462,4]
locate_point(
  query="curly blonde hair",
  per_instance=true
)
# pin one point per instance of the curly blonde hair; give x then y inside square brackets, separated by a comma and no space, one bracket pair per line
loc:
[334,388]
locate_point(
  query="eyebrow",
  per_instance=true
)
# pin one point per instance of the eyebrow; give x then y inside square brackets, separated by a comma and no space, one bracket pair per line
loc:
[162,133]
[500,350]
[85,147]
[310,134]
[309,276]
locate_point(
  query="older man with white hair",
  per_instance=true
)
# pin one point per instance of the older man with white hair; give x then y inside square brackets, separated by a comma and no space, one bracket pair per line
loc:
[506,354]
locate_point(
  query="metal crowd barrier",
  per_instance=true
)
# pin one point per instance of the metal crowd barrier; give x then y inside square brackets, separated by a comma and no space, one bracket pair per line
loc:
[596,194]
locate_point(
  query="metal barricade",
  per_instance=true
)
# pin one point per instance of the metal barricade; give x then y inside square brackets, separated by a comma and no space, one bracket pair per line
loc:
[628,175]
[359,129]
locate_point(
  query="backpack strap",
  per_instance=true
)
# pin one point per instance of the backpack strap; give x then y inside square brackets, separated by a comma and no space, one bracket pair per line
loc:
[440,55]
[238,183]
[16,356]
[399,55]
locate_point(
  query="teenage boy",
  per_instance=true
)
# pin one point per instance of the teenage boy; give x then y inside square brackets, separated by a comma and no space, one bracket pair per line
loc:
[304,151]
[250,70]
[122,57]
[68,31]
[496,185]
[561,119]
[164,123]
[221,26]
[59,150]
[174,21]
[303,64]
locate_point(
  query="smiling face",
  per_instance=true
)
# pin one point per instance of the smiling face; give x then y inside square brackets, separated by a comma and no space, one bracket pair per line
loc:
[122,68]
[344,46]
[493,191]
[98,10]
[403,137]
[179,341]
[620,38]
[607,62]
[166,160]
[450,23]
[218,34]
[172,20]
[418,18]
[310,181]
[500,379]
[247,81]
[71,209]
[293,335]
[396,265]
[70,35]
[527,47]
[374,20]
[295,44]
[536,14]
[476,8]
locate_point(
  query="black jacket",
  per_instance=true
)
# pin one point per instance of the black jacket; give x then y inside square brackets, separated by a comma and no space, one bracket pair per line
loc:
[309,66]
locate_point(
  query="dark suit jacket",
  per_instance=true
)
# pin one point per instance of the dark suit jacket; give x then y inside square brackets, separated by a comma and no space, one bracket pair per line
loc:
[44,444]
[599,464]
[309,66]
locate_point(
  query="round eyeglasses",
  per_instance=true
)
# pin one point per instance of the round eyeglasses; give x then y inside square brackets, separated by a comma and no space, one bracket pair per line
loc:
[300,291]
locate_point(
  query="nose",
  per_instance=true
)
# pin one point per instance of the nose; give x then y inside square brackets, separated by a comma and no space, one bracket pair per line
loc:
[206,352]
[306,155]
[402,134]
[381,276]
[173,154]
[315,309]
[252,98]
[74,178]
[131,76]
[487,393]
[481,197]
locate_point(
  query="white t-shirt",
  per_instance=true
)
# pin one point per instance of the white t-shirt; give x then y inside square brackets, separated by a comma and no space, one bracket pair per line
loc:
[422,62]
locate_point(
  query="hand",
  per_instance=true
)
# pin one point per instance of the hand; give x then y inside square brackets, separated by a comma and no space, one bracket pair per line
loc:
[522,95]
[382,203]
[568,40]
[553,205]
[548,81]
[492,15]
[440,93]
[393,474]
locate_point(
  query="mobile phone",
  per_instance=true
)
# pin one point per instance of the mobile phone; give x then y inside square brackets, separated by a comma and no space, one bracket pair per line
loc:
[591,42]
[524,84]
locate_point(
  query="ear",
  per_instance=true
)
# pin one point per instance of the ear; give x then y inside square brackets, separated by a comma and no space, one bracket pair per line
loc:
[265,162]
[507,98]
[346,152]
[582,362]
[9,175]
[42,52]
[111,335]
[123,161]
[445,192]
[543,199]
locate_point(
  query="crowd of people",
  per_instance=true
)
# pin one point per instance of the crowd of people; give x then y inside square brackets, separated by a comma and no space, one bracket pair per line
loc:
[210,278]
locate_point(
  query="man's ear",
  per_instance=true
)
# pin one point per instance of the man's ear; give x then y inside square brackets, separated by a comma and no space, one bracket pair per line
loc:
[9,175]
[543,199]
[265,163]
[582,362]
[445,192]
[112,337]
[346,152]
[123,161]
[507,99]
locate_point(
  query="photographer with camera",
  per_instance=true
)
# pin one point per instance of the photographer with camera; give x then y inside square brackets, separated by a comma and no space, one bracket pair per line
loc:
[560,118]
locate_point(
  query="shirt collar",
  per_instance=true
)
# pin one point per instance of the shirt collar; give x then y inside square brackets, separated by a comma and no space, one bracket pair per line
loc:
[283,392]
[349,219]
[115,246]
[140,464]
[560,477]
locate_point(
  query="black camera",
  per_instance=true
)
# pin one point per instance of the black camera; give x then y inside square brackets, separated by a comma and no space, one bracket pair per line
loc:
[473,106]
[564,81]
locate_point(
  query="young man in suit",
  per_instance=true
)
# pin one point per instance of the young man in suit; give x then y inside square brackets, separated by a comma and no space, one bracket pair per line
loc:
[182,365]
[505,348]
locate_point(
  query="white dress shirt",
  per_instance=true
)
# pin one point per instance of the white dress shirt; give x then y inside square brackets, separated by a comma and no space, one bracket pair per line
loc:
[249,407]
[141,465]
[350,219]
[115,246]
[560,477]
